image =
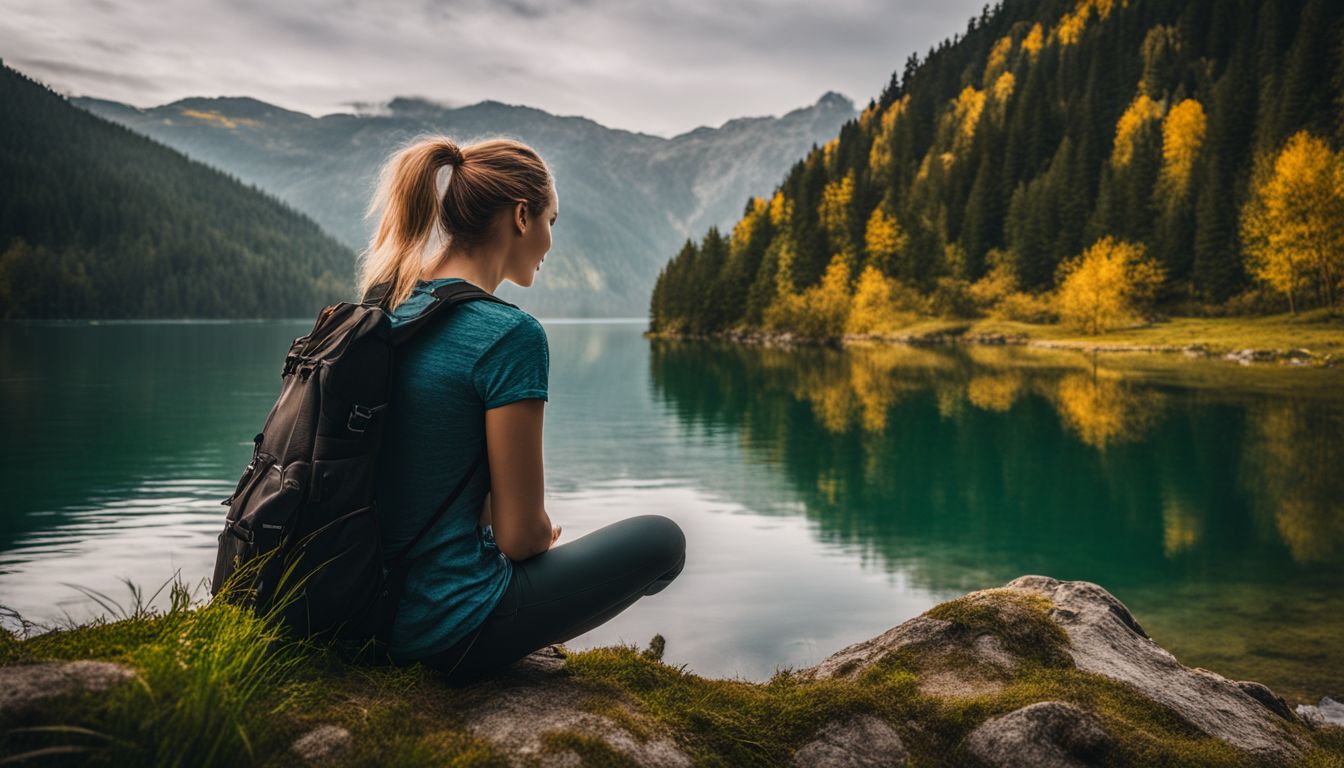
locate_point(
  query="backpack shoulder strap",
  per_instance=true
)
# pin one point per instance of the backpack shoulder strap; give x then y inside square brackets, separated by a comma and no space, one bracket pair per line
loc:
[447,295]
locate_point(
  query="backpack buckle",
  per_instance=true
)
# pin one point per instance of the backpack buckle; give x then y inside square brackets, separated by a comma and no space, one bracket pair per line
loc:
[360,416]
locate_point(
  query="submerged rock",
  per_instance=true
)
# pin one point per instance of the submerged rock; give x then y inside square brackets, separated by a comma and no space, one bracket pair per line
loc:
[1327,713]
[24,687]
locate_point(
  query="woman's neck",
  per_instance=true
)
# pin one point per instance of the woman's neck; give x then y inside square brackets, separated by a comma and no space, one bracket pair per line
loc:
[482,268]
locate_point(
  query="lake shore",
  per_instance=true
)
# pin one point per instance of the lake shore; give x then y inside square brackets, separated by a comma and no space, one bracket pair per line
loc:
[1057,673]
[1309,338]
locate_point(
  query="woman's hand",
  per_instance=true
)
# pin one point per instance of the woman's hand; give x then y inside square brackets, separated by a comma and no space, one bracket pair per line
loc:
[555,534]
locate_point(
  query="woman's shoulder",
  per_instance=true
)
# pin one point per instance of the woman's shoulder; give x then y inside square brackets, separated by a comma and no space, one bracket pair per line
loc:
[503,320]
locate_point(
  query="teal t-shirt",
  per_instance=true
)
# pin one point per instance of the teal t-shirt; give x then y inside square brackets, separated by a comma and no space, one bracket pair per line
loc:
[480,355]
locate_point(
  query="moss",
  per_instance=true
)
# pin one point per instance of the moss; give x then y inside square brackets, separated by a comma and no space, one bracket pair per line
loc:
[732,722]
[1145,733]
[1020,620]
[605,705]
[400,747]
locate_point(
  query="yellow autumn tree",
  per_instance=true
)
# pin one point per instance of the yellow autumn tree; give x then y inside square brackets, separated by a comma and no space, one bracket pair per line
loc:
[998,59]
[883,237]
[1106,287]
[966,109]
[1183,132]
[1071,26]
[1293,225]
[879,157]
[880,305]
[834,210]
[1003,87]
[1140,111]
[819,312]
[749,225]
[1034,41]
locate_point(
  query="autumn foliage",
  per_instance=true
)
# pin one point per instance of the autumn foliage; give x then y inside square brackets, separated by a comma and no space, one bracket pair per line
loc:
[1109,286]
[1293,226]
[1086,161]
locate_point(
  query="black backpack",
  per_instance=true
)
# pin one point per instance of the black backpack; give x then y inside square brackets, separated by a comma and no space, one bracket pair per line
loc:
[301,539]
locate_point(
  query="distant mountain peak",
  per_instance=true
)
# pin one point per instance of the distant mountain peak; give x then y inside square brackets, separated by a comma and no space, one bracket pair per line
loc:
[835,100]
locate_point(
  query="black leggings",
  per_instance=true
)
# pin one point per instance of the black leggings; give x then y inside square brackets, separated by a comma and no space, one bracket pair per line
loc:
[567,590]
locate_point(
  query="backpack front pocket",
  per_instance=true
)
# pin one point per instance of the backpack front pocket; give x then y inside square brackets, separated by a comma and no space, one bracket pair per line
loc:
[335,574]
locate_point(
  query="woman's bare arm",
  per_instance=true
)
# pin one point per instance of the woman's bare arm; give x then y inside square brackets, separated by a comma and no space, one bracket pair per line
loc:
[515,508]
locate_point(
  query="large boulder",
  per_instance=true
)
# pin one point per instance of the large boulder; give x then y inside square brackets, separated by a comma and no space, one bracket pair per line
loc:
[971,646]
[1105,638]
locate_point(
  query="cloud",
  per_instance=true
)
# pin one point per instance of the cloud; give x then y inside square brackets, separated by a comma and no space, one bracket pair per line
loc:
[663,67]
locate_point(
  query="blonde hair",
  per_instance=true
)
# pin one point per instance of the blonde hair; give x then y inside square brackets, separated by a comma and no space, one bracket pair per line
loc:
[485,176]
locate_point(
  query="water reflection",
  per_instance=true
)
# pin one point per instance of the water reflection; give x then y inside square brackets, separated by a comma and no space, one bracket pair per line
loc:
[961,468]
[1294,464]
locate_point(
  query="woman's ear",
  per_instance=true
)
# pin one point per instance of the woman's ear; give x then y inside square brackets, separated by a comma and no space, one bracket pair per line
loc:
[520,217]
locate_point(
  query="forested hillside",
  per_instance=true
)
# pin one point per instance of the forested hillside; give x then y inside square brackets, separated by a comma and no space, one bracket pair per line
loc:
[96,221]
[1183,154]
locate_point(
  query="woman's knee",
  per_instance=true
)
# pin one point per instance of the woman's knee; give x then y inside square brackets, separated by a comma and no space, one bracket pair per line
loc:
[662,541]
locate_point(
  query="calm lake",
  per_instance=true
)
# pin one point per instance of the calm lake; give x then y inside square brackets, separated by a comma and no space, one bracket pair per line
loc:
[826,495]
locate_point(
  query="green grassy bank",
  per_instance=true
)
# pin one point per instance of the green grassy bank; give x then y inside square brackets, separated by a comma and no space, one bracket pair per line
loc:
[207,694]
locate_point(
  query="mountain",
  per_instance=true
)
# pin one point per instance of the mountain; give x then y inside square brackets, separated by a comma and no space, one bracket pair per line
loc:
[97,221]
[1047,127]
[626,198]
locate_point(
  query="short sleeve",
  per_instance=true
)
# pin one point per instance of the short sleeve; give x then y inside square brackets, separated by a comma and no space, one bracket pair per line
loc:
[516,367]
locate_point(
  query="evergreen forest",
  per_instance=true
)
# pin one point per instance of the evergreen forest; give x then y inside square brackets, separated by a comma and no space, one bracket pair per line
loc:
[96,221]
[1093,162]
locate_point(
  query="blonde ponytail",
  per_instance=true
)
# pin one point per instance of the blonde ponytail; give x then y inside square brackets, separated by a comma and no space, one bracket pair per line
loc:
[485,177]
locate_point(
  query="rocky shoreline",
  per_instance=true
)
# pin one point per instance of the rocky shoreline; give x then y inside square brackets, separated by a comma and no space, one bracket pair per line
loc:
[1039,672]
[956,335]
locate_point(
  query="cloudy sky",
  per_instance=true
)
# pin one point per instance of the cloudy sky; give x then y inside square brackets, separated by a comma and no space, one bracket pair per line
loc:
[658,66]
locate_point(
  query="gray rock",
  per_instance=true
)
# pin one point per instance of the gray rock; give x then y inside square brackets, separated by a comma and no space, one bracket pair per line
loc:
[1196,350]
[322,743]
[1248,356]
[1327,713]
[518,710]
[1048,734]
[1271,700]
[950,660]
[24,686]
[862,741]
[1105,639]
